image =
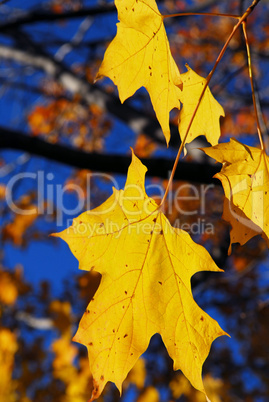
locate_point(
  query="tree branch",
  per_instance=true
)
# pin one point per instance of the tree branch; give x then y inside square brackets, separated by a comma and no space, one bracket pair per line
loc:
[35,16]
[138,121]
[157,167]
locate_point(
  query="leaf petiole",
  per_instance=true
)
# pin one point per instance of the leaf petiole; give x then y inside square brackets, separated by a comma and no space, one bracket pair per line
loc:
[252,85]
[206,14]
[235,28]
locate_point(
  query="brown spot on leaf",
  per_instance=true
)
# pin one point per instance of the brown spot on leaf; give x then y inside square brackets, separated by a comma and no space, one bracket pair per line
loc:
[96,390]
[125,292]
[160,282]
[102,378]
[202,318]
[90,344]
[125,335]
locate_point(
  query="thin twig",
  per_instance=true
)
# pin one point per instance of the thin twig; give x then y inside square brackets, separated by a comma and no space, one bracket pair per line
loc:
[243,18]
[252,85]
[201,14]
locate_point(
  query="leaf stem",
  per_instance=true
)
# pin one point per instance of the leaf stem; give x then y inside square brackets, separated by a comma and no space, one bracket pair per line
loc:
[252,85]
[235,28]
[208,14]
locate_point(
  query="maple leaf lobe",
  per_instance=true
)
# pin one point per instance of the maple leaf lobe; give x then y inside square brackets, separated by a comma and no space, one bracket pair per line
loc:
[206,120]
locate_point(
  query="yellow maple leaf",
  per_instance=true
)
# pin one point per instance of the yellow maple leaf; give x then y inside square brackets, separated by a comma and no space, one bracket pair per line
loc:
[206,120]
[140,56]
[245,180]
[146,267]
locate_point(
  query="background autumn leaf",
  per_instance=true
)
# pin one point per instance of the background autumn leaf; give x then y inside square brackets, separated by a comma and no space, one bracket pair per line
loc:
[8,348]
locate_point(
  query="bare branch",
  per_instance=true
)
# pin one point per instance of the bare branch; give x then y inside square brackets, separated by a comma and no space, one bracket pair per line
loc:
[91,94]
[48,16]
[157,167]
